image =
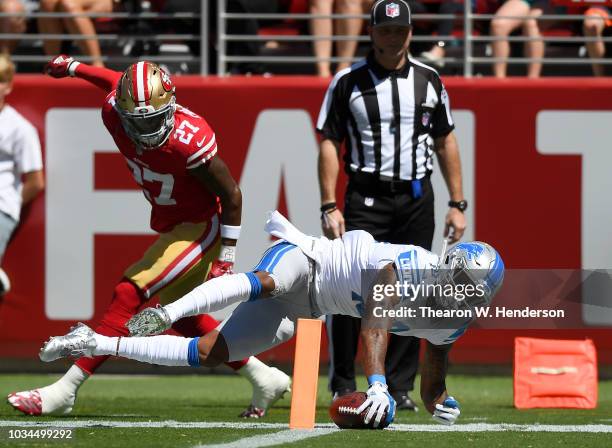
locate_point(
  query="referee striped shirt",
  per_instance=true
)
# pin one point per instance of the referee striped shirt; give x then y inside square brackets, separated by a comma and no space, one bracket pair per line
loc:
[389,119]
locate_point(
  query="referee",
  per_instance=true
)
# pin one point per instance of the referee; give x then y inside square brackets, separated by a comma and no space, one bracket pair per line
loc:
[393,114]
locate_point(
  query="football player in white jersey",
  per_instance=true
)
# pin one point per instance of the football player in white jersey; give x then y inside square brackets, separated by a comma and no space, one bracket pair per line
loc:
[306,277]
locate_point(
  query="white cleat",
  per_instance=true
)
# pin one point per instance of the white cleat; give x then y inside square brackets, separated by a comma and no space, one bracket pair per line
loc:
[78,342]
[269,386]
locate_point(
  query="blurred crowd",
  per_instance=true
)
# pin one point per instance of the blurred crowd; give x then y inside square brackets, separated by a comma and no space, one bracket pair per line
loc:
[444,35]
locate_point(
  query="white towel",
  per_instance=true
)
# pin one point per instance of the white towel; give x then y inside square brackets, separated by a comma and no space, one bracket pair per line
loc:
[280,227]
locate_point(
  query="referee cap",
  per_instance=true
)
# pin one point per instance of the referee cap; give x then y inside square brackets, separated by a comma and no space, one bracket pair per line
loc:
[390,12]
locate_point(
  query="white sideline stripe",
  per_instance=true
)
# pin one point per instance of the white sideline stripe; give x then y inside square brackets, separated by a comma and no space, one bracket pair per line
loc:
[277,438]
[149,424]
[501,427]
[469,427]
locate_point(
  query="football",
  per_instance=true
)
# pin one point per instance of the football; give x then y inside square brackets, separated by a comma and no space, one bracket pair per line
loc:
[343,412]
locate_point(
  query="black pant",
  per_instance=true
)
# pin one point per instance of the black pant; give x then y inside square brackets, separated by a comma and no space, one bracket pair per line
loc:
[393,218]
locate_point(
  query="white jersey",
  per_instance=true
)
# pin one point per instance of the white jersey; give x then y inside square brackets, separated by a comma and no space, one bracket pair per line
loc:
[351,263]
[340,285]
[19,154]
[349,267]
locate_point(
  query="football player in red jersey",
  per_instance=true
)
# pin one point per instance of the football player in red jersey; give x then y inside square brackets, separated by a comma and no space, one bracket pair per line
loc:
[172,153]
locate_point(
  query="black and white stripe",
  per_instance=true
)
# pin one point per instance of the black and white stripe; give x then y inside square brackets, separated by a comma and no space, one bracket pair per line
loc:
[387,119]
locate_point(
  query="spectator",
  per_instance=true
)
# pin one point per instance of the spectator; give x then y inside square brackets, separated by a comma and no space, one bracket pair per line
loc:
[597,18]
[11,25]
[344,27]
[21,175]
[511,15]
[249,27]
[78,25]
[435,55]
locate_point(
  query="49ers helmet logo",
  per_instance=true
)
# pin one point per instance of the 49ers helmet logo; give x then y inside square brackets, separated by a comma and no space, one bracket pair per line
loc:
[166,81]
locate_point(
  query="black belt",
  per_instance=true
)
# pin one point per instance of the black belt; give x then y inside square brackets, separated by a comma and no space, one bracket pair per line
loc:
[372,184]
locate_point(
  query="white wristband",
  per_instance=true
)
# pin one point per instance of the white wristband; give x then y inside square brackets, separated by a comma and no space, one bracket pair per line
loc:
[227,254]
[231,232]
[72,67]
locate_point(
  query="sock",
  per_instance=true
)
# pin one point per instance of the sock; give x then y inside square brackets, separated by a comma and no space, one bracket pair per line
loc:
[163,350]
[73,378]
[268,383]
[60,395]
[214,295]
[194,326]
[251,369]
[127,298]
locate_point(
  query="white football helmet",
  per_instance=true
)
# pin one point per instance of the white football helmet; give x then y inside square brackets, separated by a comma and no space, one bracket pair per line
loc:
[146,103]
[474,263]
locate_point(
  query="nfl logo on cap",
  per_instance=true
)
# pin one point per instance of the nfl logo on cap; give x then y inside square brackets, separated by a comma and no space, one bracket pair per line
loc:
[392,10]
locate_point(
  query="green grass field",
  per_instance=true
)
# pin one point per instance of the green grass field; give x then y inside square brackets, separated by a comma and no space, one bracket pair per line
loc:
[142,401]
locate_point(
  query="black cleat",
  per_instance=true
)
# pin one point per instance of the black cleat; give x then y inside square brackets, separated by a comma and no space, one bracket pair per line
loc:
[342,393]
[404,402]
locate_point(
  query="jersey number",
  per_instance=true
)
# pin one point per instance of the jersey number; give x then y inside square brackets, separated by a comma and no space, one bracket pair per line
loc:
[183,135]
[167,183]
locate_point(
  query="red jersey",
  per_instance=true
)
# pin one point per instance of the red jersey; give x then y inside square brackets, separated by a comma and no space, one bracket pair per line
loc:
[175,195]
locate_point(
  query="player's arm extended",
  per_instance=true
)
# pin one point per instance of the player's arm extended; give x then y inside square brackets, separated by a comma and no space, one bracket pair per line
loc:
[433,375]
[374,334]
[218,179]
[102,77]
[62,66]
[374,328]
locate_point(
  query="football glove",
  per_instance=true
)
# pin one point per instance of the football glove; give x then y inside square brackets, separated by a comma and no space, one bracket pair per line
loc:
[61,66]
[149,321]
[224,264]
[379,400]
[448,412]
[220,268]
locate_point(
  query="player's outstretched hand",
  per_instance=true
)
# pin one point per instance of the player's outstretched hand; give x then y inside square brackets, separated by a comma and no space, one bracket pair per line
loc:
[149,321]
[60,66]
[379,400]
[448,412]
[219,268]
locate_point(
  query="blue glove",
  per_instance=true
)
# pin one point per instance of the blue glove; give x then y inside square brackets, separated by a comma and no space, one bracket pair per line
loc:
[379,400]
[448,412]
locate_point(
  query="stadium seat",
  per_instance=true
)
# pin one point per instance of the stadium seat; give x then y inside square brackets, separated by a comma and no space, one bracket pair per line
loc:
[552,373]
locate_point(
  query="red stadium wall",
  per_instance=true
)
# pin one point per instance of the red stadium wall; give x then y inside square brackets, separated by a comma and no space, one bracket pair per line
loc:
[529,204]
